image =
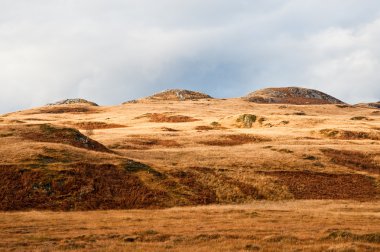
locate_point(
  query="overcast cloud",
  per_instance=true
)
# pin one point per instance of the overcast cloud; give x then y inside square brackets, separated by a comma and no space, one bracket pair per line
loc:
[111,51]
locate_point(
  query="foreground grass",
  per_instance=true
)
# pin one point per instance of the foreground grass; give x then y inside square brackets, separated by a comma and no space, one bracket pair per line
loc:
[260,226]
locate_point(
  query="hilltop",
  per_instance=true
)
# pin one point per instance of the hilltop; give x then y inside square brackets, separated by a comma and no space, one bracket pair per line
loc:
[291,95]
[178,95]
[73,101]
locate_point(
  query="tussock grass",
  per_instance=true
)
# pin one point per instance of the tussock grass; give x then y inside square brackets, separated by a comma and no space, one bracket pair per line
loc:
[246,120]
[342,235]
[359,118]
[204,127]
[353,159]
[89,125]
[213,126]
[172,119]
[318,185]
[209,186]
[169,129]
[231,140]
[282,238]
[343,106]
[349,134]
[144,143]
[204,228]
[162,118]
[300,113]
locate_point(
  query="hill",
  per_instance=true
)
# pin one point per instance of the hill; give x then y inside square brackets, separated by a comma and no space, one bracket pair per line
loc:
[165,154]
[178,95]
[369,105]
[291,95]
[52,167]
[73,101]
[248,162]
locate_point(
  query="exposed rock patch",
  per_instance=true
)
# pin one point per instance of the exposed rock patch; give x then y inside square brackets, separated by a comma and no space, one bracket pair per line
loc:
[291,95]
[178,95]
[73,101]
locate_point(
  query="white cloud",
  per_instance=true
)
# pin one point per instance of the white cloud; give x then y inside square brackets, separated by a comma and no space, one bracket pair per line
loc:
[347,62]
[111,51]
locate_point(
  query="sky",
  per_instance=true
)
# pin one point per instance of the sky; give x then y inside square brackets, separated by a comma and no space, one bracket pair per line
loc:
[112,51]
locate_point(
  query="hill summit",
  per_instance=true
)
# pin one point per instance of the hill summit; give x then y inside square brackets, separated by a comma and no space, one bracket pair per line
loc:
[178,95]
[291,95]
[73,101]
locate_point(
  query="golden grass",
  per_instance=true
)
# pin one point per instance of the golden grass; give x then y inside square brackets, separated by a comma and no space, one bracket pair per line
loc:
[233,152]
[264,226]
[145,142]
[187,163]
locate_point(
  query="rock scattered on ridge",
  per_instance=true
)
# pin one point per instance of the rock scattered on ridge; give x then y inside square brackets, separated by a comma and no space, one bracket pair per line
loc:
[291,95]
[375,105]
[178,95]
[73,101]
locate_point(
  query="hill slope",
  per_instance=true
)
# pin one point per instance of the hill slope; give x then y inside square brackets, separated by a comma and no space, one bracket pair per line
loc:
[163,154]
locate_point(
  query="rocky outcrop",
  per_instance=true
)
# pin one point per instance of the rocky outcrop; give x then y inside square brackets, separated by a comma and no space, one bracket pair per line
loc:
[178,95]
[73,101]
[291,95]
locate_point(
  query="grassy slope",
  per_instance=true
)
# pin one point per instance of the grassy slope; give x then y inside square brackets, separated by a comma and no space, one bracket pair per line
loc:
[301,152]
[265,226]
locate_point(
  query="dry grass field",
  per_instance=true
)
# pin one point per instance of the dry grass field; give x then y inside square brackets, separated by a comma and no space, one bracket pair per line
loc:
[311,225]
[300,177]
